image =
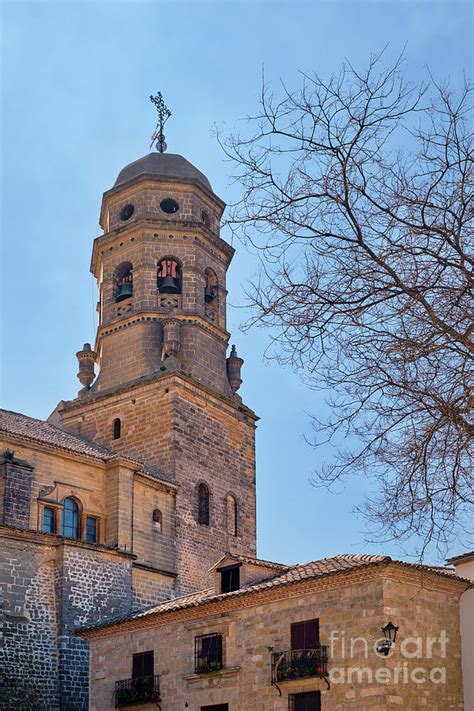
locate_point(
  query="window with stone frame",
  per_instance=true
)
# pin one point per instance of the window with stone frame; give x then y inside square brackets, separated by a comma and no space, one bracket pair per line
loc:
[143,665]
[70,518]
[158,520]
[305,701]
[49,520]
[117,428]
[207,653]
[91,529]
[203,503]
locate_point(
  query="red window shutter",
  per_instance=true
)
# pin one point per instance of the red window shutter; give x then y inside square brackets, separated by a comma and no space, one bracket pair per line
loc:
[142,665]
[305,635]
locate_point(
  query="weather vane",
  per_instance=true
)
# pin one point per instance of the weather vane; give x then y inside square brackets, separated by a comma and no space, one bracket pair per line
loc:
[163,115]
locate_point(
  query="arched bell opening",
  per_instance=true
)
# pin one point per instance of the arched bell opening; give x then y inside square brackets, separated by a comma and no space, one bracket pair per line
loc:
[123,281]
[169,276]
[211,286]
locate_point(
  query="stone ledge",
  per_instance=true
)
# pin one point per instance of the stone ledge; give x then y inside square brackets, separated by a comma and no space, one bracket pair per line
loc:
[226,672]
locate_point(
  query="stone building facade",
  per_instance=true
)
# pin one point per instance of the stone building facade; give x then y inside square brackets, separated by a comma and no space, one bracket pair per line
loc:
[131,491]
[350,598]
[127,496]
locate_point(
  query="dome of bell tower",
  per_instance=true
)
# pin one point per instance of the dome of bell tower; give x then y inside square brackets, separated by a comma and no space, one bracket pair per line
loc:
[168,166]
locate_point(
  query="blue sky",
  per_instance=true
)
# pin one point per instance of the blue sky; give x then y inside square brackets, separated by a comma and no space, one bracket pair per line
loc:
[76,76]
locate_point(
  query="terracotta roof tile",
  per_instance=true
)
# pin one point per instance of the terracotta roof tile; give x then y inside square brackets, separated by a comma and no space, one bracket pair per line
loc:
[33,430]
[318,568]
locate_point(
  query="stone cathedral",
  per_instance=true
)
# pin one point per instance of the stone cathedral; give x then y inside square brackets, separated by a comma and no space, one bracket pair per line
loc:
[128,520]
[130,492]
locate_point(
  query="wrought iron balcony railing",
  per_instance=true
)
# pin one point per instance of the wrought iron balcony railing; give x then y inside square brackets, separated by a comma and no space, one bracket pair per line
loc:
[141,690]
[299,664]
[206,664]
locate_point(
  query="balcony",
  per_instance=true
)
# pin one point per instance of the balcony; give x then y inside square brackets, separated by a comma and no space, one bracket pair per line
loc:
[141,690]
[299,664]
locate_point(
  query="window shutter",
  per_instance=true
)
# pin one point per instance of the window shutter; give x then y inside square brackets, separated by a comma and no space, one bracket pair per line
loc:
[142,665]
[305,635]
[148,664]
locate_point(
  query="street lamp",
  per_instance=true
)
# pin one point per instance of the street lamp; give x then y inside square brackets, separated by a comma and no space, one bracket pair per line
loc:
[390,633]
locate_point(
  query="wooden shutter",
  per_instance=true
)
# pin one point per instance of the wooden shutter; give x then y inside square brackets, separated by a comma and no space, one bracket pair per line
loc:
[305,635]
[142,665]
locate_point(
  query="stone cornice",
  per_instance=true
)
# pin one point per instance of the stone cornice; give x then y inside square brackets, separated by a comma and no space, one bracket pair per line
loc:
[180,228]
[55,540]
[150,380]
[153,569]
[161,484]
[147,316]
[164,182]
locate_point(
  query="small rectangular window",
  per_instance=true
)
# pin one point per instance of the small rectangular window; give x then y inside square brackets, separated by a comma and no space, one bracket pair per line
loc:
[48,519]
[305,635]
[207,653]
[91,529]
[143,665]
[307,701]
[216,707]
[230,578]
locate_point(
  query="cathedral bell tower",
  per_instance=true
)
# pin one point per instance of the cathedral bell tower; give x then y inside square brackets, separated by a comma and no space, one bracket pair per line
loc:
[165,392]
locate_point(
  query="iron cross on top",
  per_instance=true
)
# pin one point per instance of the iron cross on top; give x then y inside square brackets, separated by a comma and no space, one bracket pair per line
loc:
[163,115]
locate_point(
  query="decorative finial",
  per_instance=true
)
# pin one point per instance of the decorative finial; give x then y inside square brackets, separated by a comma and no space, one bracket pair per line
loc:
[163,115]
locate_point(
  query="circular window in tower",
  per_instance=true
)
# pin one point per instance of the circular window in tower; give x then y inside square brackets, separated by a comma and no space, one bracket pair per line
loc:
[169,206]
[126,212]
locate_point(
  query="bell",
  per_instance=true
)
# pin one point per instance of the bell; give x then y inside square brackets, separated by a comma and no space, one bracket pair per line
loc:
[208,294]
[168,285]
[125,290]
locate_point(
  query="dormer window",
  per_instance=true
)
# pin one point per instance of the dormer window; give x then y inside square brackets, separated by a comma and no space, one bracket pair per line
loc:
[123,282]
[169,276]
[230,578]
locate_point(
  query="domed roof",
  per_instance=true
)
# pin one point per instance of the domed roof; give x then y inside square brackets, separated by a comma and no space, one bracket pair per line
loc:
[163,165]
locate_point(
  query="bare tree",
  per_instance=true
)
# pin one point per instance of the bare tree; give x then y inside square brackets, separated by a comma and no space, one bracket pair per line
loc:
[358,192]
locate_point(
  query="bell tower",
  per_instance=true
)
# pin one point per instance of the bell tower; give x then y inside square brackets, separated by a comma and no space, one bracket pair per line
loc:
[165,392]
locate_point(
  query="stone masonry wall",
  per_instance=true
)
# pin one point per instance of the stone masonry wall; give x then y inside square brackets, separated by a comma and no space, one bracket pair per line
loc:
[351,611]
[193,437]
[50,587]
[17,478]
[29,624]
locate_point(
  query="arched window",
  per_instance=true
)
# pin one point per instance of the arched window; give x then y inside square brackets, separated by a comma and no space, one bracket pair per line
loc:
[211,286]
[70,525]
[123,281]
[231,513]
[169,276]
[157,520]
[203,505]
[117,428]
